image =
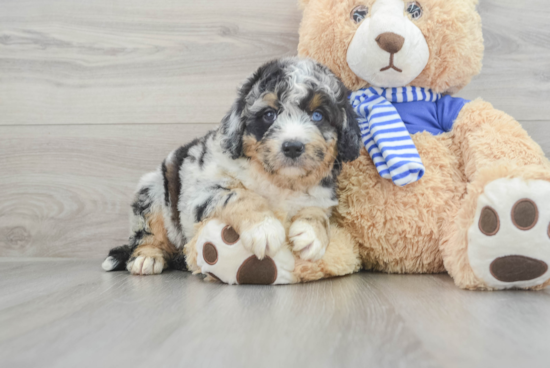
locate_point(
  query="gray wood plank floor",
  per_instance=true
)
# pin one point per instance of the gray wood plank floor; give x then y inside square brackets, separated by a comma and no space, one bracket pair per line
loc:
[137,61]
[69,313]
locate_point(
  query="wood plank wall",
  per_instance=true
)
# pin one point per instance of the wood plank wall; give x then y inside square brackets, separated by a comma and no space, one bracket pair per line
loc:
[95,93]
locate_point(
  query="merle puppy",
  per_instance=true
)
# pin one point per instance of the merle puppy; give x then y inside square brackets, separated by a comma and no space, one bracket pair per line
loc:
[271,165]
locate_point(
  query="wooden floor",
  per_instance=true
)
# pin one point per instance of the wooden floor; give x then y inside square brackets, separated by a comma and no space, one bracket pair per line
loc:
[69,313]
[95,93]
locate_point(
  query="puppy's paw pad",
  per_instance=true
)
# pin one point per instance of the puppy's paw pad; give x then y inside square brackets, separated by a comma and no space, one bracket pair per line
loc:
[264,238]
[509,241]
[143,266]
[304,240]
[223,257]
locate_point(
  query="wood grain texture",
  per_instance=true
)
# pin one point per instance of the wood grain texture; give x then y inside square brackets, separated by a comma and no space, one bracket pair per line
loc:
[128,61]
[165,61]
[66,190]
[516,71]
[70,313]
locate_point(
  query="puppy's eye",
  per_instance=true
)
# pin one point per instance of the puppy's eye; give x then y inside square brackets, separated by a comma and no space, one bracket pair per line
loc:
[359,13]
[317,116]
[415,10]
[270,116]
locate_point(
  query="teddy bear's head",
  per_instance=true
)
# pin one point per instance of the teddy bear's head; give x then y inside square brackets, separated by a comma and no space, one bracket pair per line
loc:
[435,44]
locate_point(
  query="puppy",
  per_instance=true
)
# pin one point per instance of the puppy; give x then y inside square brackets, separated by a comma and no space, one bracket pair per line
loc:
[274,160]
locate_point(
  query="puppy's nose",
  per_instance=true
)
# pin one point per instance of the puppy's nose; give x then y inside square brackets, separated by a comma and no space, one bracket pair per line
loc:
[390,42]
[293,149]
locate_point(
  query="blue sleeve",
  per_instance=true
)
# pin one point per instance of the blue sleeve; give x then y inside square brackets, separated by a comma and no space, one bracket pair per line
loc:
[448,109]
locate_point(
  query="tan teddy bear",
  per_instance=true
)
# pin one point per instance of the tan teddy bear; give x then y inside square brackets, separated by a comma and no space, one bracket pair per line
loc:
[481,209]
[443,184]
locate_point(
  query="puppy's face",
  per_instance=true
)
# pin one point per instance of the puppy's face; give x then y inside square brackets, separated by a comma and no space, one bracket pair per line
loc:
[293,121]
[288,130]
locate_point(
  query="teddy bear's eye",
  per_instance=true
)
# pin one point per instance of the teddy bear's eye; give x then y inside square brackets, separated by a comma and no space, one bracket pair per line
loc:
[415,10]
[359,13]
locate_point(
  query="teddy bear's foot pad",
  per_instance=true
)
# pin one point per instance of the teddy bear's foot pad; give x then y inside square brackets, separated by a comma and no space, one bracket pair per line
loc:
[517,268]
[509,242]
[222,256]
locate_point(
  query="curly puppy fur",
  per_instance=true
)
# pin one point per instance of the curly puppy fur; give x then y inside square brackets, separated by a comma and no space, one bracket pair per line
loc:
[276,154]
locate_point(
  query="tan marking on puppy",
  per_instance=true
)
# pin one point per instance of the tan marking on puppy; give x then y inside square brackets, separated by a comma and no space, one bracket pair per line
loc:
[157,244]
[319,221]
[266,158]
[271,100]
[248,209]
[315,102]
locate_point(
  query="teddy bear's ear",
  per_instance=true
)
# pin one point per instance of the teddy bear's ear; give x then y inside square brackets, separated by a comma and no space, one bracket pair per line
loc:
[233,124]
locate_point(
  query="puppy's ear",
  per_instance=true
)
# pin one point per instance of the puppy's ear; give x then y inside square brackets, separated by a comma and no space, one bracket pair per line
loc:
[233,124]
[233,130]
[349,140]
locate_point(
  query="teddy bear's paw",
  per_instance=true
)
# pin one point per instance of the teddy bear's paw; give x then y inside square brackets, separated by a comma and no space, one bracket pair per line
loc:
[264,238]
[223,256]
[509,242]
[305,241]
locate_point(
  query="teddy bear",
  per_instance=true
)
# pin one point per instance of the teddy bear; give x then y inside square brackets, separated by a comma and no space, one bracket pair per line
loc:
[442,184]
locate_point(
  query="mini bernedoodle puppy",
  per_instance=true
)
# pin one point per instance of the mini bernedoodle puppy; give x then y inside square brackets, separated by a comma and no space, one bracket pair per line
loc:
[274,159]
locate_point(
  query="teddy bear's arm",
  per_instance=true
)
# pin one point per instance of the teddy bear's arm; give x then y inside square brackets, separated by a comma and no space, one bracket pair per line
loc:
[484,135]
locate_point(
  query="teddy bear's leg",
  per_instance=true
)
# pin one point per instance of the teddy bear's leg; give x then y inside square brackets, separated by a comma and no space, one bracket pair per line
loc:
[500,237]
[217,252]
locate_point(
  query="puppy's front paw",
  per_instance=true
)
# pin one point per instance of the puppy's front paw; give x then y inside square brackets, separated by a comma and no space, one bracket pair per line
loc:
[304,240]
[264,238]
[146,265]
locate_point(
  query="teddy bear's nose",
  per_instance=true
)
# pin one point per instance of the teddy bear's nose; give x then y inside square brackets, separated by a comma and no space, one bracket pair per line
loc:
[390,42]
